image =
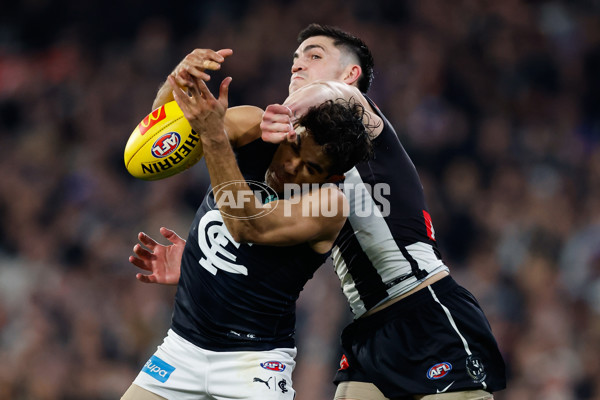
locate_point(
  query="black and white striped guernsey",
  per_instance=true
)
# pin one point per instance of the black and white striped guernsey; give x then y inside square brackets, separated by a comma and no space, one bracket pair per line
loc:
[387,246]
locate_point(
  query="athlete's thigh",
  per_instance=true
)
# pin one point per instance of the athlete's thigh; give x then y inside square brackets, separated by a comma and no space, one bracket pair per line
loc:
[367,391]
[352,390]
[466,395]
[138,393]
[177,370]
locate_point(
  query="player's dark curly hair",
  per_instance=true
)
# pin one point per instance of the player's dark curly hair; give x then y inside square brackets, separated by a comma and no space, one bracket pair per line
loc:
[340,128]
[350,43]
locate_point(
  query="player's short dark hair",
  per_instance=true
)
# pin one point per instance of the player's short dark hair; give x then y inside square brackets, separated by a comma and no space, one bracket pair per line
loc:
[339,127]
[350,43]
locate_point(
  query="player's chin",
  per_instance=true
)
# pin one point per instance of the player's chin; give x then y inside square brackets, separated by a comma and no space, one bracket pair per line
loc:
[296,84]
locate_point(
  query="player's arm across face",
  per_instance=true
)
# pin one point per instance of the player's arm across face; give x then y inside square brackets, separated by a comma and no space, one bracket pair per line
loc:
[277,121]
[315,217]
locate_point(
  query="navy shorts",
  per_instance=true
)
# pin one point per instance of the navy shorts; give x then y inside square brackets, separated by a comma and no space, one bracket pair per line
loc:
[434,341]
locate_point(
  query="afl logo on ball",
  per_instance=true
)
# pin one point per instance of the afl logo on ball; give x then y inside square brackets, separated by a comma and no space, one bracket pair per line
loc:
[273,366]
[166,145]
[439,370]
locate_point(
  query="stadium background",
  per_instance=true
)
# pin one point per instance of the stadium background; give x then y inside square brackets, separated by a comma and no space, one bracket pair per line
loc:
[498,102]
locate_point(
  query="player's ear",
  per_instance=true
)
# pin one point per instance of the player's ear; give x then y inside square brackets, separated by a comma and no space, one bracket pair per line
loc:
[352,73]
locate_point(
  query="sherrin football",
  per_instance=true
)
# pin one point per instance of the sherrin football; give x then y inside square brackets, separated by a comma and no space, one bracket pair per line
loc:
[162,144]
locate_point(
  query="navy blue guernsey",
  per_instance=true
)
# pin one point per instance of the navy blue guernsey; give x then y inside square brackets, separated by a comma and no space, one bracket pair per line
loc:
[234,296]
[387,246]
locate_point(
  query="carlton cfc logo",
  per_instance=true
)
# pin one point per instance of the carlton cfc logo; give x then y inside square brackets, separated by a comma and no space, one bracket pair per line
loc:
[439,370]
[273,366]
[166,145]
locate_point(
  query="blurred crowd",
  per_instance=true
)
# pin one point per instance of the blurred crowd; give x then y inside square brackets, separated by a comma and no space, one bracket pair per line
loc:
[498,103]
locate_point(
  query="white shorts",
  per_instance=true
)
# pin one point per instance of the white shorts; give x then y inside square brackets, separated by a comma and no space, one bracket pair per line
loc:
[181,370]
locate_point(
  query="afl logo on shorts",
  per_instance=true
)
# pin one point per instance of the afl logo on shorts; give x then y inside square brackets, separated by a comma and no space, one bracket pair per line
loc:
[166,144]
[439,370]
[273,366]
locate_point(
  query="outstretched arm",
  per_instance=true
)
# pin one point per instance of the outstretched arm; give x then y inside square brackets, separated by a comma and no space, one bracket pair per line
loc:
[163,262]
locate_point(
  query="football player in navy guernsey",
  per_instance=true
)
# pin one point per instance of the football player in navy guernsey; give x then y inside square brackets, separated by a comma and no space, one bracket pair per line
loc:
[416,334]
[245,262]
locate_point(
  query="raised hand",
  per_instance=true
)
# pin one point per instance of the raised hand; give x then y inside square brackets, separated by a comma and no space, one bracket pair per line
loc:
[163,262]
[204,112]
[196,63]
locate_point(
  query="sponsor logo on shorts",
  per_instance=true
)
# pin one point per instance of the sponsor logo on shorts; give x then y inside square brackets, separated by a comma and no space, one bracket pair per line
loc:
[445,389]
[263,381]
[166,145]
[281,384]
[158,369]
[273,366]
[475,369]
[439,370]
